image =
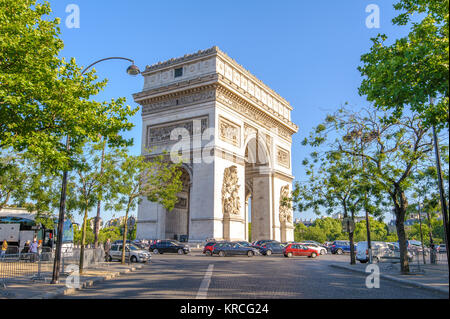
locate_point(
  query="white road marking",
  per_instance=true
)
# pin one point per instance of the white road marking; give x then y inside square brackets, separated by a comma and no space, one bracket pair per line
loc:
[203,290]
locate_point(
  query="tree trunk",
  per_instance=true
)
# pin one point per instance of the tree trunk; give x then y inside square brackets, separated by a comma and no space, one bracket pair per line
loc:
[125,230]
[83,241]
[400,213]
[352,244]
[97,218]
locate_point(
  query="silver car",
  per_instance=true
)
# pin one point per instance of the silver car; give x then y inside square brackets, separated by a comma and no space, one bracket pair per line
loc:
[132,253]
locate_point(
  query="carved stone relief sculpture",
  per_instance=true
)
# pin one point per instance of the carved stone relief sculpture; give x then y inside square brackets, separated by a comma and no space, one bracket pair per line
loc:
[230,192]
[285,209]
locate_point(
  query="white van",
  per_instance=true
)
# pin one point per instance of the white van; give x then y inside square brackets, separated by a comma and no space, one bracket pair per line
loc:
[380,250]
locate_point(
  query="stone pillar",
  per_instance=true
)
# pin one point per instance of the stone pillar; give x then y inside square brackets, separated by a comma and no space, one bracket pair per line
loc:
[261,208]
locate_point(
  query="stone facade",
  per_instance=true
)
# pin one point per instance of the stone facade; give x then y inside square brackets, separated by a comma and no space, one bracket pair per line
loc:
[235,135]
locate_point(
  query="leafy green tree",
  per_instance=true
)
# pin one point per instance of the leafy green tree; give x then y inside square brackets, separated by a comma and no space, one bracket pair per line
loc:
[378,230]
[12,179]
[92,181]
[113,233]
[136,177]
[391,152]
[44,98]
[414,68]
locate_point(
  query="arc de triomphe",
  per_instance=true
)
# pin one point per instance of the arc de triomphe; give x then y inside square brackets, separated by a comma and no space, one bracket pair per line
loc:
[235,135]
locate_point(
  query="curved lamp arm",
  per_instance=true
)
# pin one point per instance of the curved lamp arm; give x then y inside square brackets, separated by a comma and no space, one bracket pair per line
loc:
[134,68]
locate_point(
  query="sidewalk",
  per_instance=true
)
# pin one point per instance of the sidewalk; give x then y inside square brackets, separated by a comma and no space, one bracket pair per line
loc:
[42,289]
[432,277]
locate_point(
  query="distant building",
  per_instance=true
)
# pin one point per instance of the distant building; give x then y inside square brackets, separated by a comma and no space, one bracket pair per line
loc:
[305,222]
[120,220]
[92,222]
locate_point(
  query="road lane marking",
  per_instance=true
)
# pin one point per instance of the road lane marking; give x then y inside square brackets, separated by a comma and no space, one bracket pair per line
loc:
[203,290]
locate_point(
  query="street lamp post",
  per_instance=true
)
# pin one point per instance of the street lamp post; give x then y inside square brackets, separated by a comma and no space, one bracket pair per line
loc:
[421,236]
[131,70]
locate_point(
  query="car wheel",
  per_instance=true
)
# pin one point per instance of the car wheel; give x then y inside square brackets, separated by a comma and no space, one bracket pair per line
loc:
[250,253]
[180,251]
[133,259]
[313,255]
[221,253]
[268,253]
[155,251]
[289,255]
[339,251]
[208,253]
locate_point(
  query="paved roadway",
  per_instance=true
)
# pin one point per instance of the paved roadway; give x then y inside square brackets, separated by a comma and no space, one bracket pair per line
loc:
[198,276]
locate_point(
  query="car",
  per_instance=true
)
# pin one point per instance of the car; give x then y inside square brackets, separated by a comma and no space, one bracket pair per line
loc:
[169,246]
[442,249]
[319,248]
[259,243]
[209,247]
[297,249]
[270,248]
[132,252]
[414,248]
[340,246]
[233,249]
[380,250]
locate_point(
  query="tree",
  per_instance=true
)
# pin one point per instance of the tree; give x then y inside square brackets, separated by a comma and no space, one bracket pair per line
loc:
[336,181]
[44,98]
[12,179]
[390,150]
[136,177]
[378,230]
[92,182]
[414,68]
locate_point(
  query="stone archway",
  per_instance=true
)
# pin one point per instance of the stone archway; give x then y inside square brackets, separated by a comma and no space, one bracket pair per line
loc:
[178,220]
[258,188]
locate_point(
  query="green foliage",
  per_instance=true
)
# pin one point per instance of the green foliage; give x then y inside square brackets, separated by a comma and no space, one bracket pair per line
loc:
[323,229]
[44,98]
[378,230]
[414,68]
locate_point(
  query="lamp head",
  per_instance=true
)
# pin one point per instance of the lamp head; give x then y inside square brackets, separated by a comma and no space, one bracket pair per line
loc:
[133,70]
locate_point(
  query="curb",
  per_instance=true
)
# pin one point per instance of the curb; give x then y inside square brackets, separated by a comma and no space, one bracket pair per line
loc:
[64,291]
[399,280]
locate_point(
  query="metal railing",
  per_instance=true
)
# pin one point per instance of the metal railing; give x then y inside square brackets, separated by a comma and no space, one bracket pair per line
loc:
[39,266]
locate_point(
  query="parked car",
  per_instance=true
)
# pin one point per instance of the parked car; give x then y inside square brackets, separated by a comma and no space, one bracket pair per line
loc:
[296,249]
[209,247]
[233,249]
[319,248]
[132,252]
[270,248]
[442,249]
[414,248]
[380,250]
[169,246]
[340,246]
[259,243]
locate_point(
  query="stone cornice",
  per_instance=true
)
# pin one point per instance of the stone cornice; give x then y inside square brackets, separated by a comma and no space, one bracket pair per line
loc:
[222,58]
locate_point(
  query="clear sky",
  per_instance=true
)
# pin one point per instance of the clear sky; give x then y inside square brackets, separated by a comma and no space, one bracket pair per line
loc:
[307,51]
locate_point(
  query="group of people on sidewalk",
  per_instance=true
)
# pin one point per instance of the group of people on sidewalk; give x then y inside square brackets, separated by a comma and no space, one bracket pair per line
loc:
[29,247]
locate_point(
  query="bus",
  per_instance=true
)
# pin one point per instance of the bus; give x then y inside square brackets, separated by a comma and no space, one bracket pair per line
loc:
[18,225]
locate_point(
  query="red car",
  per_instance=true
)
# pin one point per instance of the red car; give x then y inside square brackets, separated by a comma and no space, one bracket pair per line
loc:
[295,249]
[208,249]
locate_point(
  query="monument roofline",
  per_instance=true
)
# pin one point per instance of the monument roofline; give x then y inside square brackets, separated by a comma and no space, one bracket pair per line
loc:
[213,51]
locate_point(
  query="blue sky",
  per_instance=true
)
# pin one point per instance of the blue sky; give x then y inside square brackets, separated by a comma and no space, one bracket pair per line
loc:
[307,51]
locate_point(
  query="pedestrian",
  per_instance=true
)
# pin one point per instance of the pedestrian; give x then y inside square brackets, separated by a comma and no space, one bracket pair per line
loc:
[107,247]
[34,249]
[4,248]
[26,247]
